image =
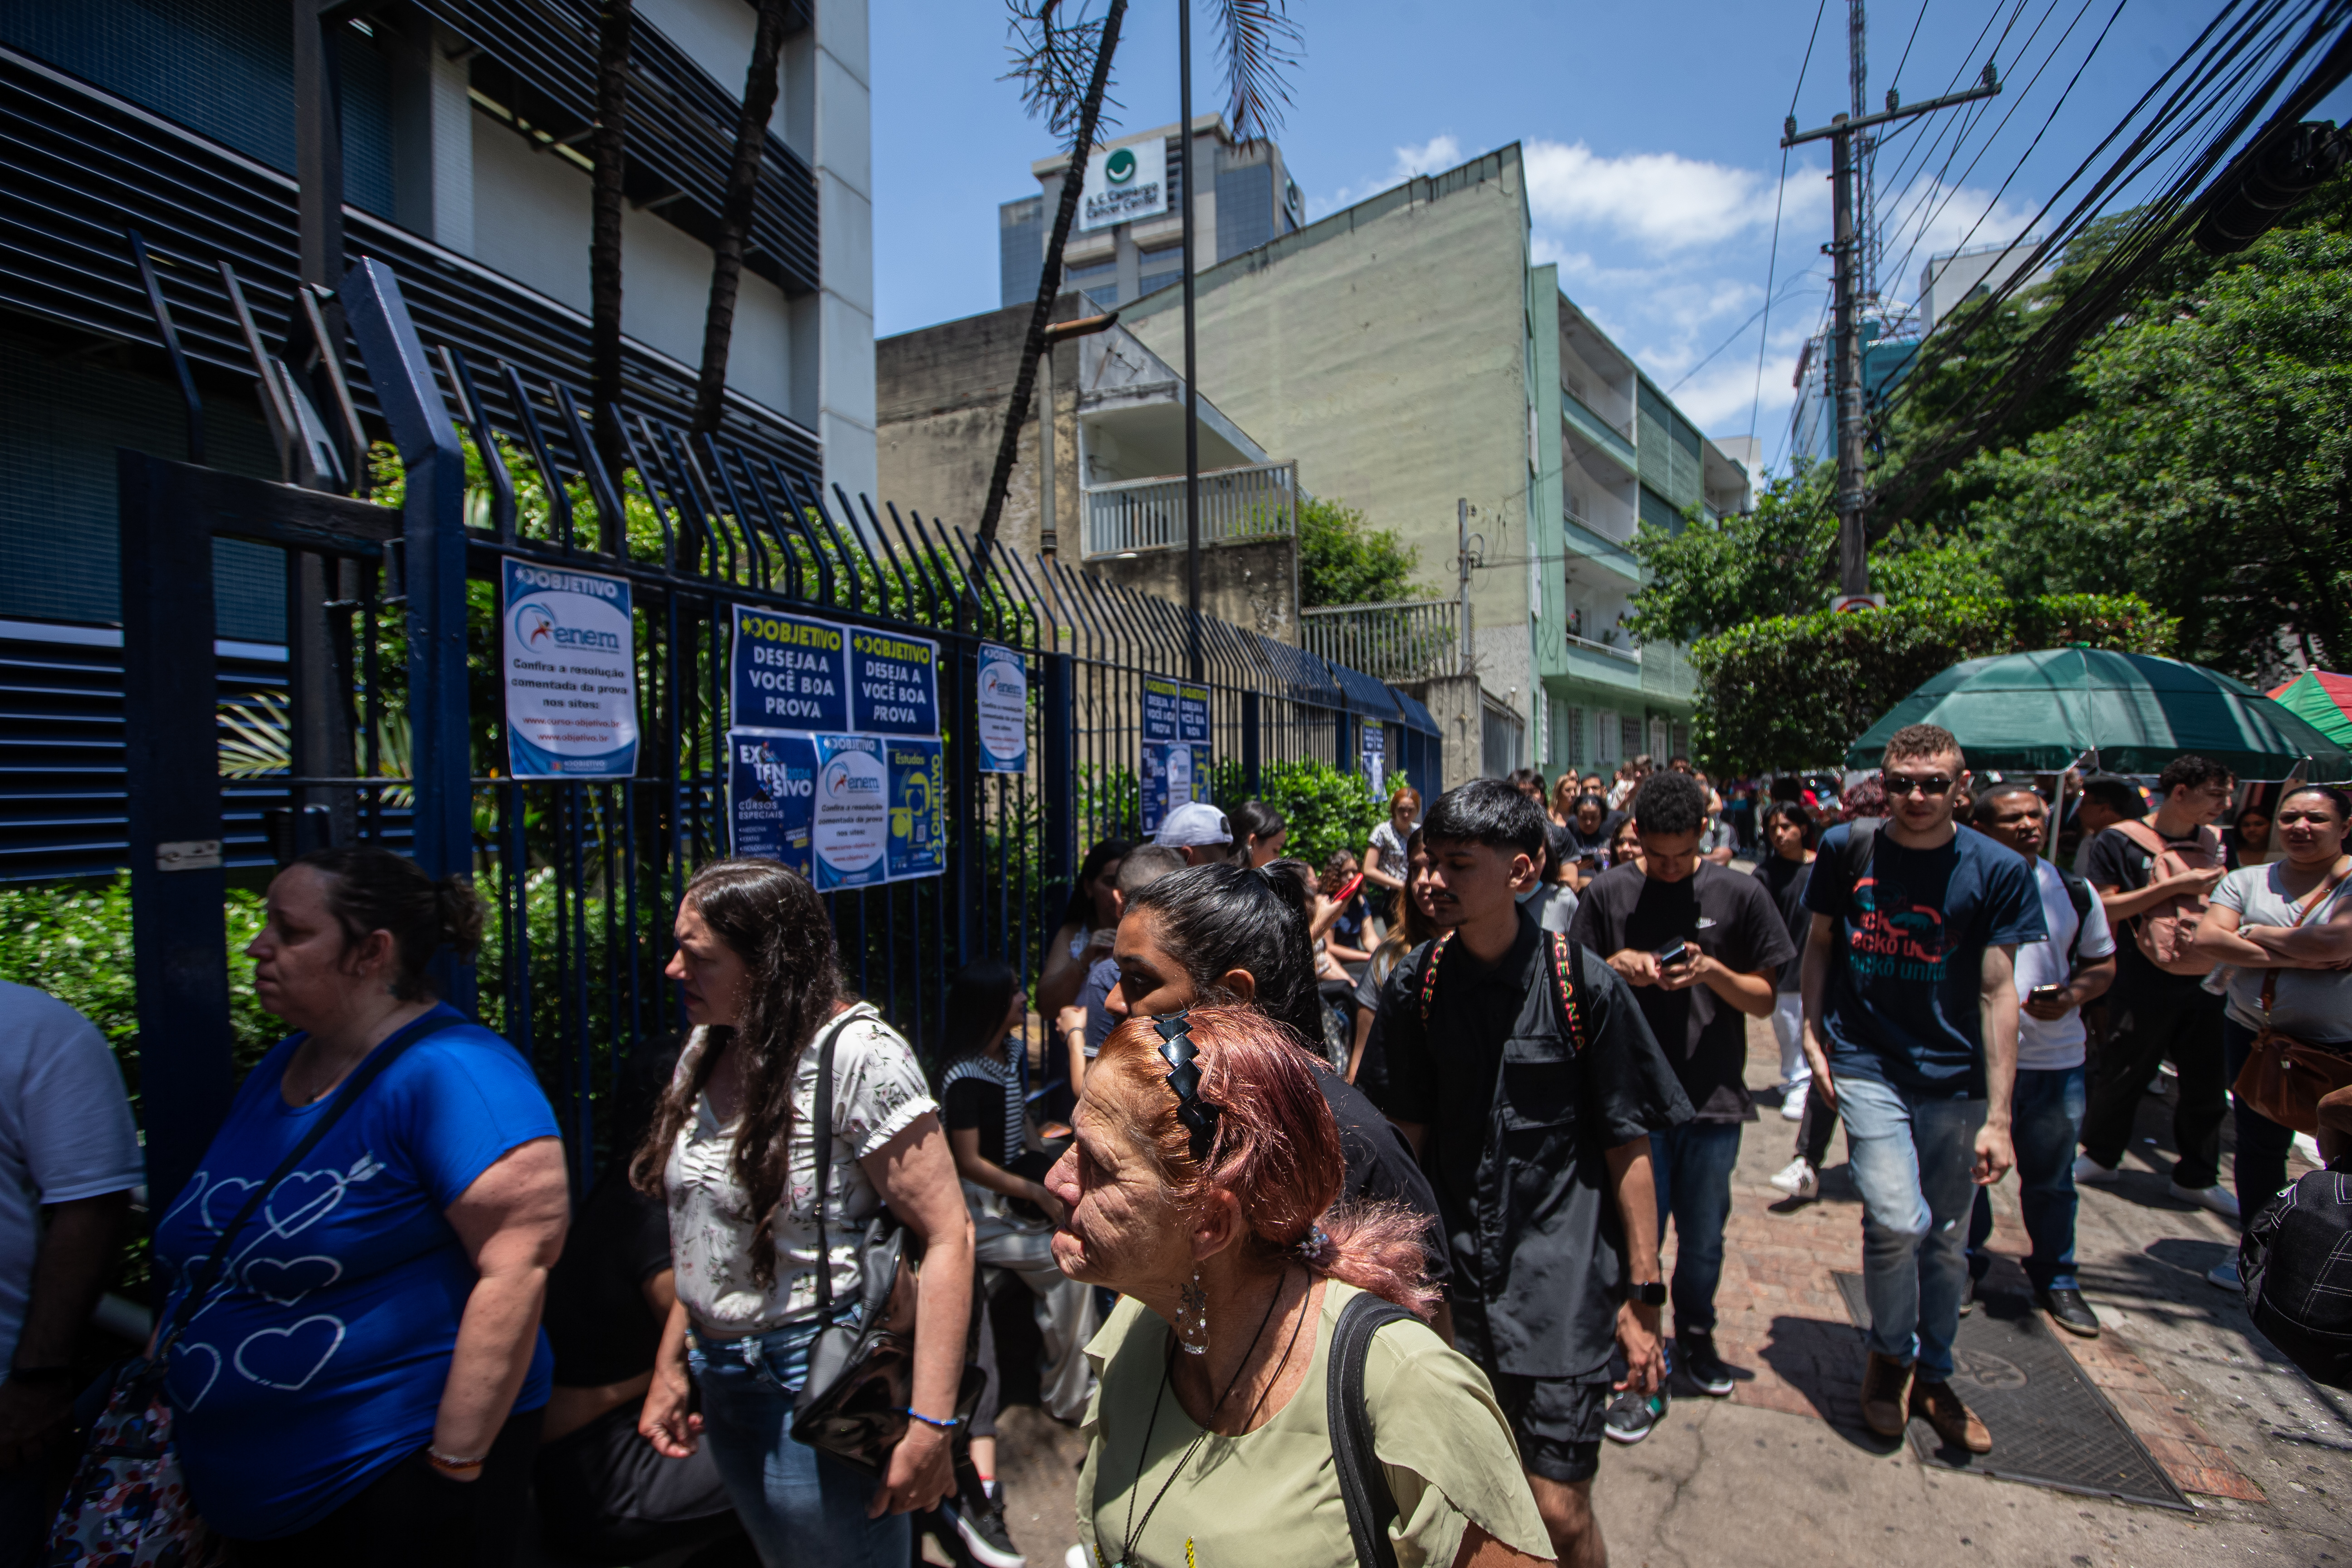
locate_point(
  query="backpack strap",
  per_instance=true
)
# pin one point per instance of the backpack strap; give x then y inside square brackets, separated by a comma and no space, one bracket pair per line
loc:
[1363,1485]
[1563,976]
[1429,972]
[1861,843]
[2079,894]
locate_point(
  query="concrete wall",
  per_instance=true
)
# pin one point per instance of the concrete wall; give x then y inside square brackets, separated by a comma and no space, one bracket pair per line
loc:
[940,404]
[1453,701]
[1386,349]
[1254,583]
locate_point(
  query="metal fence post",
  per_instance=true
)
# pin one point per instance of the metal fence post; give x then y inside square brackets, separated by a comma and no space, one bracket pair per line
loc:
[1057,723]
[434,562]
[1252,747]
[179,944]
[968,850]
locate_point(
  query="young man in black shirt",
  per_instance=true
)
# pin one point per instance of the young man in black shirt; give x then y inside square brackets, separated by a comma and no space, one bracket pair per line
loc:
[1702,947]
[2162,868]
[1524,1076]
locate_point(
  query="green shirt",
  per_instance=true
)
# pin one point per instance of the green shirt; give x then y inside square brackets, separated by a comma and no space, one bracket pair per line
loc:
[1272,1495]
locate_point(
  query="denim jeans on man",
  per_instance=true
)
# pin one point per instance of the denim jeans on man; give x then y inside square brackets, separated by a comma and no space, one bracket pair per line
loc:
[798,1505]
[1692,1166]
[1912,1157]
[2045,1118]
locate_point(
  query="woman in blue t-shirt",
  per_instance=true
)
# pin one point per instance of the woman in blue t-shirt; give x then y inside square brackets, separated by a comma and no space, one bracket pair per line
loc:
[363,1382]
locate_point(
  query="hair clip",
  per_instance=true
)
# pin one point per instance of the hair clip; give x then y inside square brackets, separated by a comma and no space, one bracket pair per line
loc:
[1198,1115]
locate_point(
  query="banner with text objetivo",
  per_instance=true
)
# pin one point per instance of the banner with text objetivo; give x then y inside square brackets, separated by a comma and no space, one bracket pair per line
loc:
[834,762]
[1176,751]
[569,657]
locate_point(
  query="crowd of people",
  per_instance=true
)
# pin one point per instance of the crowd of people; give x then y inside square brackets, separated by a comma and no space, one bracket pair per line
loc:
[1408,1128]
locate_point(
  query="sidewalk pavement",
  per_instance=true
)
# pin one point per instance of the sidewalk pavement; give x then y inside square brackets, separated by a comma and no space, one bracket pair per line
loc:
[1783,1473]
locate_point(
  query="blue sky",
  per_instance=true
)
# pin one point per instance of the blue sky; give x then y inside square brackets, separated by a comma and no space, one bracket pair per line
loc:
[1651,136]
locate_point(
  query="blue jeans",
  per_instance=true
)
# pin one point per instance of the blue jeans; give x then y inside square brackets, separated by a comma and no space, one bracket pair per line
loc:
[1692,1167]
[1911,1158]
[2045,1119]
[799,1506]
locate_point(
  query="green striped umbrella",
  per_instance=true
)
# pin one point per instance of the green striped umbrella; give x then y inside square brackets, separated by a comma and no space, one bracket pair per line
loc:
[2038,713]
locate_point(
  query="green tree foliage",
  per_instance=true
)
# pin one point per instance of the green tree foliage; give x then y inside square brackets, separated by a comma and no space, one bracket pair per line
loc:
[1326,809]
[1343,561]
[1719,573]
[1793,691]
[2211,466]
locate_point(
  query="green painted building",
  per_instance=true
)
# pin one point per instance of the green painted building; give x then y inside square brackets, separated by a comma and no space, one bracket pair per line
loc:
[1409,356]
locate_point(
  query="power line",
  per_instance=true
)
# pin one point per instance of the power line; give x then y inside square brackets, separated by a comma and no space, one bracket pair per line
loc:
[1739,331]
[1771,272]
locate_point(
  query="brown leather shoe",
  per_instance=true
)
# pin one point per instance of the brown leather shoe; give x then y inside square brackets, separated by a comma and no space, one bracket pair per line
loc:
[1886,1383]
[1954,1422]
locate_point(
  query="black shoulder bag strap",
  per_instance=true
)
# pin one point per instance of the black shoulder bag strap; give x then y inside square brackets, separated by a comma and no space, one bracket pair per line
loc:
[207,1273]
[825,1163]
[1861,842]
[1363,1485]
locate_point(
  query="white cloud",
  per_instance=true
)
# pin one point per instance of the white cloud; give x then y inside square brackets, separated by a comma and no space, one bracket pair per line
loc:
[1441,152]
[1662,201]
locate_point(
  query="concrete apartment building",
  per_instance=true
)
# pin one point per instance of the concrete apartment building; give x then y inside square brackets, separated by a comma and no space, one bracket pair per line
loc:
[1406,356]
[463,124]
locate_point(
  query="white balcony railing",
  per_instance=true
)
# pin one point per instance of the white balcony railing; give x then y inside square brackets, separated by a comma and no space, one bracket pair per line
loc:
[1260,501]
[1402,639]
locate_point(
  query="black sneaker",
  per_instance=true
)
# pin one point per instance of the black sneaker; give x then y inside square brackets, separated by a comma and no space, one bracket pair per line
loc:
[978,1522]
[1631,1414]
[1694,1353]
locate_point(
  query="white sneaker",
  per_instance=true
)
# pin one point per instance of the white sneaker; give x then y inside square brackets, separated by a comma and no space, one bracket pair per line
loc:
[1798,1179]
[1077,1558]
[2221,1200]
[2308,1147]
[2089,1170]
[2225,1275]
[1792,1104]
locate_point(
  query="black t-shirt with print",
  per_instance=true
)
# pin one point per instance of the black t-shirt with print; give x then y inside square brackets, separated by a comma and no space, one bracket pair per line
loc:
[1726,914]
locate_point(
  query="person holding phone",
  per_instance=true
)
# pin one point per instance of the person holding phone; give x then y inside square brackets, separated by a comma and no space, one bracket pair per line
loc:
[2055,979]
[1702,947]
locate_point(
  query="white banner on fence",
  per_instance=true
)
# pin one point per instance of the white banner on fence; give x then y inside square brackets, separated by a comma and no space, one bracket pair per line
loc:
[850,826]
[570,673]
[1003,710]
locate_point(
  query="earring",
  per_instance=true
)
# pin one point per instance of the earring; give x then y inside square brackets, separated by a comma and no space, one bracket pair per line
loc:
[1193,1318]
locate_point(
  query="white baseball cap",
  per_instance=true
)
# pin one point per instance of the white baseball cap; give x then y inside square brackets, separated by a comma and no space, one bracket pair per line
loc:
[1192,824]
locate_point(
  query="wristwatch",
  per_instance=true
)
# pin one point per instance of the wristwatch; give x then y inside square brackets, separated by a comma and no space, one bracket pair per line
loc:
[1646,1292]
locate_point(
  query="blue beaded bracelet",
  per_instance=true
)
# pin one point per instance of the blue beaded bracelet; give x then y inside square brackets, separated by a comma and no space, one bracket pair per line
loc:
[949,1424]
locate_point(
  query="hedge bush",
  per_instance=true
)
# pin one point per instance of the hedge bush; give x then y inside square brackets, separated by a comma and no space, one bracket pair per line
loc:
[1793,691]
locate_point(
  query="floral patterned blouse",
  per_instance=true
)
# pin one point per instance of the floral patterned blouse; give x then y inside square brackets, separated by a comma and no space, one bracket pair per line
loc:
[878,1089]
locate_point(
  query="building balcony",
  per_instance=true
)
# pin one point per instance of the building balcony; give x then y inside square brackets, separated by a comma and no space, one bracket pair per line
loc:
[1585,540]
[1599,431]
[1659,670]
[1257,501]
[1399,639]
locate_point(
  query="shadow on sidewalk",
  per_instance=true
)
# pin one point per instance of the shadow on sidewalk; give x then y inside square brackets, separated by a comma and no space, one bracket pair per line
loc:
[1822,1361]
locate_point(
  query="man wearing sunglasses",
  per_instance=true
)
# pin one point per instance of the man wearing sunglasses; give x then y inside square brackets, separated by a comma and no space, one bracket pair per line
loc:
[1911,1029]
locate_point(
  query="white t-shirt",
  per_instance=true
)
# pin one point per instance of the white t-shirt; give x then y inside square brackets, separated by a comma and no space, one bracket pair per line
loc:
[2055,1044]
[2313,1005]
[1391,844]
[877,1089]
[66,1132]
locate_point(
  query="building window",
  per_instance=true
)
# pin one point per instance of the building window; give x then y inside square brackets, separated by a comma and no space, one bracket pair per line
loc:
[1100,281]
[1632,738]
[1020,249]
[1160,269]
[1244,208]
[1682,740]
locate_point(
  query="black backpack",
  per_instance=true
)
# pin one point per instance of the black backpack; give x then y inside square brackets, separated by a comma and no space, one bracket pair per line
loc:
[2295,1261]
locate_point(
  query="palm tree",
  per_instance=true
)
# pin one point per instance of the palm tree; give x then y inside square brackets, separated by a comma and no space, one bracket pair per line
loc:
[1063,67]
[735,213]
[607,150]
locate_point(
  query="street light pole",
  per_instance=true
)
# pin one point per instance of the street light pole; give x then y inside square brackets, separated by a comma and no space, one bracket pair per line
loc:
[1191,371]
[1842,132]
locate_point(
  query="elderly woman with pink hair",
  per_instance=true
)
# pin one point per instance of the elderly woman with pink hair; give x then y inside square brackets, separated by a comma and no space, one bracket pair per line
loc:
[1203,1187]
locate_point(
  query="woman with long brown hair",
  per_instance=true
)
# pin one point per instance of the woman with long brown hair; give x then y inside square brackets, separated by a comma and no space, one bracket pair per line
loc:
[1204,1187]
[733,1150]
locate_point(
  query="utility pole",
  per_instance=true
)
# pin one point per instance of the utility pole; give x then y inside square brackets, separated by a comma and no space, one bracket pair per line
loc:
[1865,157]
[1191,370]
[1469,658]
[1843,132]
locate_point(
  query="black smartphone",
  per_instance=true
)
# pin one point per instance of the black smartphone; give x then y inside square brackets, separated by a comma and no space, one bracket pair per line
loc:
[2045,994]
[1673,954]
